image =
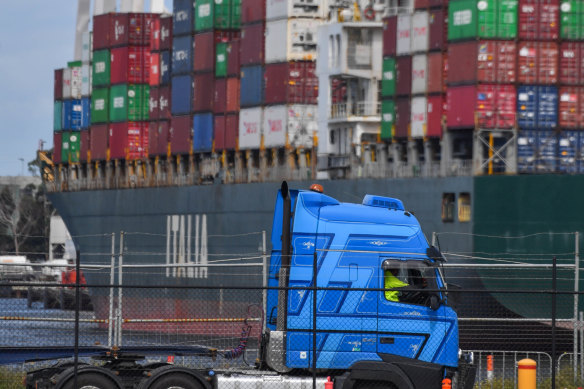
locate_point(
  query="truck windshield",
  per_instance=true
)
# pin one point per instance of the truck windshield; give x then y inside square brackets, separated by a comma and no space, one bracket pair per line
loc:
[409,281]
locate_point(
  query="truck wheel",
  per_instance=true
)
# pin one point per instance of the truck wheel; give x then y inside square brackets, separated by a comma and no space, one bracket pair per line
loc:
[175,381]
[91,381]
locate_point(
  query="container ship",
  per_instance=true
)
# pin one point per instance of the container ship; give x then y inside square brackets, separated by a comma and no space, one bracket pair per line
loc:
[177,129]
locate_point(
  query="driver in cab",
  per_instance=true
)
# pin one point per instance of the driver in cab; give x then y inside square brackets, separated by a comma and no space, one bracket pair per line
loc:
[392,282]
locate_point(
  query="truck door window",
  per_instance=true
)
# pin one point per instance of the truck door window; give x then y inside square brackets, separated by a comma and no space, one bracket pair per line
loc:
[416,282]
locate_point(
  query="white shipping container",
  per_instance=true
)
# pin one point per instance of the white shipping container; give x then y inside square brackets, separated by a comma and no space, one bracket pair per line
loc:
[419,73]
[85,80]
[76,82]
[86,47]
[420,32]
[250,127]
[292,124]
[299,36]
[419,117]
[67,83]
[285,9]
[404,34]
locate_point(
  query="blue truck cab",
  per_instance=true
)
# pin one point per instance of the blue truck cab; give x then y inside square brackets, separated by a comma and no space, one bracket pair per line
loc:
[365,324]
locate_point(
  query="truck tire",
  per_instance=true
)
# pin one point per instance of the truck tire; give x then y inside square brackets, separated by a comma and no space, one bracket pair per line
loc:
[175,381]
[374,385]
[90,380]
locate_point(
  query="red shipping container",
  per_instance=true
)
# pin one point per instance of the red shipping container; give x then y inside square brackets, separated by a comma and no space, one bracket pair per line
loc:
[462,59]
[311,85]
[538,19]
[101,31]
[181,134]
[403,74]
[159,138]
[438,26]
[251,50]
[338,90]
[164,102]
[570,107]
[402,117]
[130,64]
[203,96]
[219,132]
[128,140]
[496,61]
[58,84]
[204,52]
[154,73]
[460,102]
[220,96]
[232,96]
[421,4]
[287,83]
[57,145]
[571,63]
[389,36]
[253,11]
[506,61]
[84,147]
[495,106]
[152,138]
[165,33]
[231,131]
[155,34]
[538,62]
[233,56]
[130,29]
[154,108]
[436,72]
[438,3]
[98,140]
[434,120]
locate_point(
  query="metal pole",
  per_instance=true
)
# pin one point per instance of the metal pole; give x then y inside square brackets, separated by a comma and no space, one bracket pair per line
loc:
[110,323]
[434,238]
[120,290]
[581,329]
[265,279]
[314,285]
[77,306]
[576,289]
[554,290]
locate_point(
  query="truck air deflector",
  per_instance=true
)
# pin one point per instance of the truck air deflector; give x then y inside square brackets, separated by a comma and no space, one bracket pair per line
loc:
[383,202]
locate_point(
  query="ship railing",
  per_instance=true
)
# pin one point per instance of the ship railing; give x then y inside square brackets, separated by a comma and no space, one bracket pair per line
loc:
[357,109]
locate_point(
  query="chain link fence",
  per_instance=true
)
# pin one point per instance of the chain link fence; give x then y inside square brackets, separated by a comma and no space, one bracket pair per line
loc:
[195,306]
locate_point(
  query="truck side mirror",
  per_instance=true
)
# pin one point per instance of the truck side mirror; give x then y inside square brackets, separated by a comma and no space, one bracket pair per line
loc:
[435,254]
[434,302]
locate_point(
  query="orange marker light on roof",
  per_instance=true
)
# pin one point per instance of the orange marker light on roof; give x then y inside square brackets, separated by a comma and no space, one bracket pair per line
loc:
[316,188]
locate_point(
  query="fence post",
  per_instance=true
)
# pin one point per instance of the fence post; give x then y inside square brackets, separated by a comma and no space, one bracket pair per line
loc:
[110,323]
[554,290]
[314,285]
[120,289]
[576,290]
[490,371]
[265,279]
[581,330]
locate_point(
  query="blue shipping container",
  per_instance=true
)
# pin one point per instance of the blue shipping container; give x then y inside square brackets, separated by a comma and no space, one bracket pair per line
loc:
[526,151]
[252,86]
[76,114]
[580,153]
[182,55]
[182,17]
[547,151]
[165,67]
[181,95]
[568,144]
[58,116]
[203,132]
[537,107]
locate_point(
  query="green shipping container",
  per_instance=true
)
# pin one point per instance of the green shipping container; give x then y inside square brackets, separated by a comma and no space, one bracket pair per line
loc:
[129,103]
[388,79]
[221,59]
[571,19]
[486,19]
[204,15]
[70,146]
[507,19]
[58,116]
[235,14]
[99,105]
[387,119]
[222,13]
[101,68]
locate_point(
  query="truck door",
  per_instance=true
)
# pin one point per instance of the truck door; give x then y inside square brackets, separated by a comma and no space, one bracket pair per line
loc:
[407,324]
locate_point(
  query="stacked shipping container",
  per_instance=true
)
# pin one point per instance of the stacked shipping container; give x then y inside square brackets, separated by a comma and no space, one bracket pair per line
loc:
[71,115]
[413,72]
[121,89]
